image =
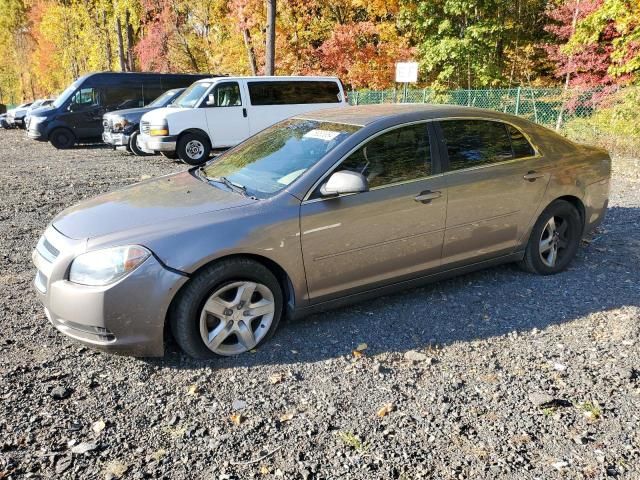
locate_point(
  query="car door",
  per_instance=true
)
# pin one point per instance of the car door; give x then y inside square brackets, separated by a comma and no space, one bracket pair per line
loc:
[495,180]
[84,113]
[389,233]
[226,115]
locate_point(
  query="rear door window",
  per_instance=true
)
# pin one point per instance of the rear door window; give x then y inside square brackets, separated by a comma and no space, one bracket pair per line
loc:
[521,146]
[293,92]
[472,143]
[397,156]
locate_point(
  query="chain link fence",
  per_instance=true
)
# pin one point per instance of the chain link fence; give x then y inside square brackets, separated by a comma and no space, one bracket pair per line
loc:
[552,107]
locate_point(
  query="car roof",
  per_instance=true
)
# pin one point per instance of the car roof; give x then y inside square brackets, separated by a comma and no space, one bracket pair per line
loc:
[363,115]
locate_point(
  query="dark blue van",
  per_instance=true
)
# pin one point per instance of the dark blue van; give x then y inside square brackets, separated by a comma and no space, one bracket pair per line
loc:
[76,115]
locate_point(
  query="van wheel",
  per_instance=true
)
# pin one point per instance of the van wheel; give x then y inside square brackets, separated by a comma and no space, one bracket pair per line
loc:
[229,308]
[193,148]
[62,138]
[554,239]
[133,146]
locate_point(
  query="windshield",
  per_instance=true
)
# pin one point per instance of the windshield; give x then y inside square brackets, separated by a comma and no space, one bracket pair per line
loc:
[62,98]
[163,99]
[269,161]
[192,95]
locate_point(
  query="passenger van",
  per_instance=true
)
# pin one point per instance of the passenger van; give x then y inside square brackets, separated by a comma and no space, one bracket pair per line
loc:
[76,114]
[219,113]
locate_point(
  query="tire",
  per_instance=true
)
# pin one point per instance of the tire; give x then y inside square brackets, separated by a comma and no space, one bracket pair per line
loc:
[169,155]
[561,236]
[62,138]
[133,146]
[193,148]
[212,302]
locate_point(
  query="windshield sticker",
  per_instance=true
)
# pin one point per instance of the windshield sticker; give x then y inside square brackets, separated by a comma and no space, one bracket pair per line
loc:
[326,135]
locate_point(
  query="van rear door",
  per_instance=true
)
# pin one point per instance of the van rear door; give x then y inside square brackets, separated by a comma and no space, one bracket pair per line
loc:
[273,100]
[226,114]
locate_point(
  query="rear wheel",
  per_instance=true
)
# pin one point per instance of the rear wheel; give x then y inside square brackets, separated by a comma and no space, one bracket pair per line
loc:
[133,146]
[554,239]
[229,308]
[62,138]
[193,148]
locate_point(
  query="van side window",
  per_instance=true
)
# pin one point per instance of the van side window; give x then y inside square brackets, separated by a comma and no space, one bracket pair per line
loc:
[293,92]
[85,97]
[122,95]
[521,146]
[227,95]
[471,143]
[400,155]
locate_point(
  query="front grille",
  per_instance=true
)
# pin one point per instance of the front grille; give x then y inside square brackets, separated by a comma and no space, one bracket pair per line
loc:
[46,250]
[144,127]
[106,125]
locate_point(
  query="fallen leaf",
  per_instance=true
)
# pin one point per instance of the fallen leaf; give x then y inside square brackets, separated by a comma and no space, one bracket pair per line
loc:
[357,354]
[276,378]
[286,417]
[193,389]
[264,470]
[236,418]
[385,409]
[361,347]
[98,426]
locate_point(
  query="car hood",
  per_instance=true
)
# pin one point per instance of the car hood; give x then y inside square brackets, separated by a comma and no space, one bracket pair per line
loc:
[130,112]
[159,114]
[155,201]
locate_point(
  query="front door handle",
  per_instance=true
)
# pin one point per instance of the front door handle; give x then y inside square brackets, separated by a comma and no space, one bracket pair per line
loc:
[532,176]
[244,112]
[427,196]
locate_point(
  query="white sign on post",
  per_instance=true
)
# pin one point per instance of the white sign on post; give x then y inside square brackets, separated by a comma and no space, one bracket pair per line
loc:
[407,72]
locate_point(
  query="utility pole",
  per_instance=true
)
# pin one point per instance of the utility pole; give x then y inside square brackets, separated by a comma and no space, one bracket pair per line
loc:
[270,53]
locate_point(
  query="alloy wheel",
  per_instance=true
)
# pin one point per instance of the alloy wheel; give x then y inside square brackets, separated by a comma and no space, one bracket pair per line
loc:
[236,317]
[554,240]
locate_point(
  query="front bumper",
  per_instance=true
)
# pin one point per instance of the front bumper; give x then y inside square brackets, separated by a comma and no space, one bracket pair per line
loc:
[116,139]
[157,144]
[37,131]
[126,317]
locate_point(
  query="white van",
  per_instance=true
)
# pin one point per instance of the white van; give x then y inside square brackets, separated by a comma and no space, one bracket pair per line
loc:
[221,112]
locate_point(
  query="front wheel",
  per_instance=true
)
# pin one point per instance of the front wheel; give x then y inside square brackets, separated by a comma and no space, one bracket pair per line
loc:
[62,138]
[193,148]
[133,146]
[229,308]
[554,239]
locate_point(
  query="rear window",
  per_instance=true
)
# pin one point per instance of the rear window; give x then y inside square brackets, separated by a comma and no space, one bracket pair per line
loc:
[293,92]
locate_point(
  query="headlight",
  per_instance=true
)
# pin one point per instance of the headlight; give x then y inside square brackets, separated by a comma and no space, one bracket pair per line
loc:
[119,124]
[159,130]
[102,267]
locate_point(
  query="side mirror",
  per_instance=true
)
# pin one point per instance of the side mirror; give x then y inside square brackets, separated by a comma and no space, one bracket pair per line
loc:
[211,100]
[344,182]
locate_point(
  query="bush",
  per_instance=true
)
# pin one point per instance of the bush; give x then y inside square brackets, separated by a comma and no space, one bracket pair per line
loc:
[615,125]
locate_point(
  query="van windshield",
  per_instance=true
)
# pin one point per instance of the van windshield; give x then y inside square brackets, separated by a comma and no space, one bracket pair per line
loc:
[192,95]
[64,96]
[274,158]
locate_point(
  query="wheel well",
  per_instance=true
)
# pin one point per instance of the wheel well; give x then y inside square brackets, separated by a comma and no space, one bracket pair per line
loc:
[196,131]
[576,202]
[277,270]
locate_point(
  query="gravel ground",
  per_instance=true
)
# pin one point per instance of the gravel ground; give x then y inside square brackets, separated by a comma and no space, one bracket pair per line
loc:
[497,374]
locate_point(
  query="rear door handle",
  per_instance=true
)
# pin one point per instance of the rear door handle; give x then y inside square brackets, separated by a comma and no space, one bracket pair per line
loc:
[244,112]
[532,176]
[427,196]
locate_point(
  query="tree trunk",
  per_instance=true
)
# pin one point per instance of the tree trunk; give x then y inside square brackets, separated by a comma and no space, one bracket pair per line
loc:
[107,49]
[270,53]
[123,66]
[127,20]
[250,53]
[567,78]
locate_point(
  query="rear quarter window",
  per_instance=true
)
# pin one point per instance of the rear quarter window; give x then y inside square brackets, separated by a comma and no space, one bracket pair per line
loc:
[293,92]
[521,146]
